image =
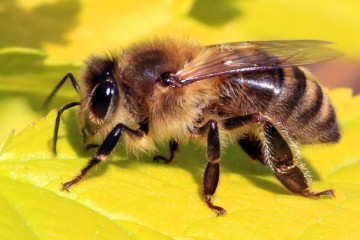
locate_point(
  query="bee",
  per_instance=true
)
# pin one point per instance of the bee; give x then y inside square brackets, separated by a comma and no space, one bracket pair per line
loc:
[170,91]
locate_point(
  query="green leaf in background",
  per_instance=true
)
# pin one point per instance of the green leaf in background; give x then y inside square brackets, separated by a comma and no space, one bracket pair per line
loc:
[136,198]
[24,83]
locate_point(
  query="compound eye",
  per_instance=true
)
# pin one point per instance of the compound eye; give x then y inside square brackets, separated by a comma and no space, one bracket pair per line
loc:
[103,94]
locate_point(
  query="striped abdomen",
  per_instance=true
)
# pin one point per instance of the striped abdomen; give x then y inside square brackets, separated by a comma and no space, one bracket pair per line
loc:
[289,96]
[304,109]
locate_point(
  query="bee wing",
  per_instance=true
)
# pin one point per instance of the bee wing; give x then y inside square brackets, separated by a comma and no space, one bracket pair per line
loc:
[236,57]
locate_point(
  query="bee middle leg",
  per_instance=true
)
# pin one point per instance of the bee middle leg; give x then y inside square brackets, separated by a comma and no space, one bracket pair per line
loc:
[174,146]
[103,151]
[275,152]
[212,170]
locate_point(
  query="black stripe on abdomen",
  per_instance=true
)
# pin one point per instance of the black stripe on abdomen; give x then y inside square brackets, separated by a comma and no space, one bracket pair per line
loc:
[309,113]
[295,90]
[328,128]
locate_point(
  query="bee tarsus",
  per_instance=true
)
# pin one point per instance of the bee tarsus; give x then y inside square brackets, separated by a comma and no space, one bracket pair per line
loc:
[219,210]
[93,161]
[174,147]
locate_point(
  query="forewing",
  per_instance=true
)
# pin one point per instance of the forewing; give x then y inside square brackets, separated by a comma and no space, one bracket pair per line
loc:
[232,58]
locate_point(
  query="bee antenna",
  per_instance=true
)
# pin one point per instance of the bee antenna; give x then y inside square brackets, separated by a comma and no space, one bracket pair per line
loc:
[58,86]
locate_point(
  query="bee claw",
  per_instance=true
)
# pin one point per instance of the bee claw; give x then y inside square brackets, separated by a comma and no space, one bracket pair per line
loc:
[219,210]
[327,192]
[66,186]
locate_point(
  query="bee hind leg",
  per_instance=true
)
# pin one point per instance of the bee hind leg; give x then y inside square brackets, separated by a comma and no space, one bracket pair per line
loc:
[174,147]
[275,152]
[282,162]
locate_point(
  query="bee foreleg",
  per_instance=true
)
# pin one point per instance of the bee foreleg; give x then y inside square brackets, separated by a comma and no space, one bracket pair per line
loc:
[104,151]
[57,123]
[281,160]
[59,85]
[174,146]
[212,171]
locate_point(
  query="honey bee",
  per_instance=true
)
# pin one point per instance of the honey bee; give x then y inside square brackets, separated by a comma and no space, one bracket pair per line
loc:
[170,91]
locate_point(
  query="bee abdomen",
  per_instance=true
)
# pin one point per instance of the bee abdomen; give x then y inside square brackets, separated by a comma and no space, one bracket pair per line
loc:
[293,93]
[309,115]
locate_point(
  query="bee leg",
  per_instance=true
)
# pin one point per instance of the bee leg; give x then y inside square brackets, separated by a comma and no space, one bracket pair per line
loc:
[91,145]
[57,123]
[88,146]
[281,160]
[212,171]
[103,152]
[252,146]
[277,154]
[174,146]
[62,109]
[59,85]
